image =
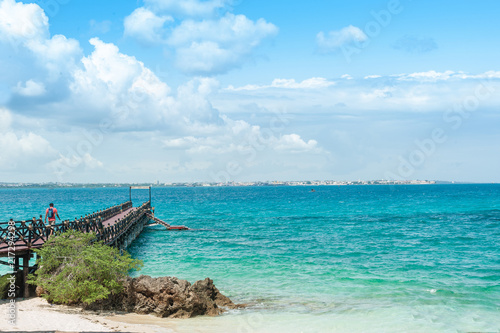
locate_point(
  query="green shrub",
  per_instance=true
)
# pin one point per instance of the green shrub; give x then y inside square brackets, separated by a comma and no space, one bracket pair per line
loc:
[74,270]
[4,286]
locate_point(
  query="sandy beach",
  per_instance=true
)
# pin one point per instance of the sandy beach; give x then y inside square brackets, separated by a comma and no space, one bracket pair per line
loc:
[36,314]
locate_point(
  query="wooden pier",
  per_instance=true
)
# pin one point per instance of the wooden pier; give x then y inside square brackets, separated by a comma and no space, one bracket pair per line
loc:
[116,226]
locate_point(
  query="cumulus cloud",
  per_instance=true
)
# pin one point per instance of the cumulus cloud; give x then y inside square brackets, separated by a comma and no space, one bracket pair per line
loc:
[192,102]
[312,83]
[428,76]
[43,64]
[180,143]
[203,44]
[295,143]
[122,88]
[334,40]
[419,91]
[116,71]
[434,76]
[131,97]
[21,22]
[238,137]
[5,119]
[30,88]
[71,163]
[23,151]
[413,44]
[385,92]
[215,46]
[26,25]
[146,26]
[57,54]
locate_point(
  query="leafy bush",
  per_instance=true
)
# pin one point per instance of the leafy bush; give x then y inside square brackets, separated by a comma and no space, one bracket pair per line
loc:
[74,270]
[4,286]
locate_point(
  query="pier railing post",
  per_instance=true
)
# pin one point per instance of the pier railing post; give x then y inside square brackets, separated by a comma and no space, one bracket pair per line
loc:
[26,266]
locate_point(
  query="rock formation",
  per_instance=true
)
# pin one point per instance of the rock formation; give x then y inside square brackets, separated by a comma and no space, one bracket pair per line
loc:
[167,297]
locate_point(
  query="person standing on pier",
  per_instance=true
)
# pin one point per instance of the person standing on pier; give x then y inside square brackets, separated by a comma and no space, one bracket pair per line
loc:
[51,214]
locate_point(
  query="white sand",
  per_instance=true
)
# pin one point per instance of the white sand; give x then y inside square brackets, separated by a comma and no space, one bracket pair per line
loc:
[36,314]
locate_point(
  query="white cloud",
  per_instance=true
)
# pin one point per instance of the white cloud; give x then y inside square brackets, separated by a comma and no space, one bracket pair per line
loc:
[240,138]
[73,165]
[121,73]
[485,75]
[228,29]
[430,76]
[5,119]
[146,26]
[121,88]
[57,55]
[75,161]
[206,57]
[215,46]
[30,88]
[27,25]
[203,43]
[23,151]
[401,93]
[312,83]
[20,22]
[372,77]
[335,40]
[192,103]
[107,66]
[24,144]
[43,64]
[294,143]
[433,76]
[180,143]
[386,92]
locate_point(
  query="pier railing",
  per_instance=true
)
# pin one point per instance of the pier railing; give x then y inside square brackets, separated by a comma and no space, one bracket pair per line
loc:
[33,233]
[111,233]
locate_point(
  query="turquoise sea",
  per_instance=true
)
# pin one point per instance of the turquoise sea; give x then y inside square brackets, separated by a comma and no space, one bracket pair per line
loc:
[420,258]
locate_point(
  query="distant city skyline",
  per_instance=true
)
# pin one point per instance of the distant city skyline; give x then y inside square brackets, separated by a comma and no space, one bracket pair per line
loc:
[223,91]
[239,184]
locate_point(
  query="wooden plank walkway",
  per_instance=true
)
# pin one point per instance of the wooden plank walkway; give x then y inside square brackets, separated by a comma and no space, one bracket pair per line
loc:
[114,219]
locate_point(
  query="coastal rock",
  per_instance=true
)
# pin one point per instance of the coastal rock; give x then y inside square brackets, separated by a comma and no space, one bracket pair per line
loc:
[39,291]
[167,297]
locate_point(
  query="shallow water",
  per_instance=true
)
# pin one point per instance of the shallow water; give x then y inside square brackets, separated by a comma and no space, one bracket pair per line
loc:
[340,259]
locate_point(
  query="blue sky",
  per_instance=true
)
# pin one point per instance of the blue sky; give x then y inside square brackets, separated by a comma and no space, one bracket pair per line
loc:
[234,90]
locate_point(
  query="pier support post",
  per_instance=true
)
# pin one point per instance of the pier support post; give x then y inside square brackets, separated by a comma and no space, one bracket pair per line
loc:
[22,271]
[16,262]
[26,267]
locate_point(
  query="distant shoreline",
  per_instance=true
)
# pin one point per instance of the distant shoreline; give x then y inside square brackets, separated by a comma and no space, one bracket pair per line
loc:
[6,185]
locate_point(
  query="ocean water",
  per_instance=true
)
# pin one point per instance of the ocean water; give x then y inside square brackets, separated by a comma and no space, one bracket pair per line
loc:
[422,258]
